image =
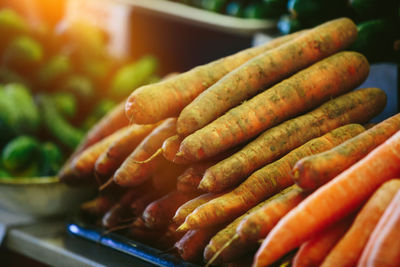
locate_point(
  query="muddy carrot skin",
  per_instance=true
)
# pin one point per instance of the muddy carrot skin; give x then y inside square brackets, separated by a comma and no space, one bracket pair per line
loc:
[301,92]
[263,183]
[257,225]
[383,246]
[354,107]
[333,201]
[265,70]
[313,251]
[152,103]
[108,162]
[191,205]
[159,213]
[313,171]
[191,246]
[170,147]
[131,173]
[189,180]
[348,251]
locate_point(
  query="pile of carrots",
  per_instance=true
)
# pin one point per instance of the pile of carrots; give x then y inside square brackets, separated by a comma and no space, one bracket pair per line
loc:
[269,144]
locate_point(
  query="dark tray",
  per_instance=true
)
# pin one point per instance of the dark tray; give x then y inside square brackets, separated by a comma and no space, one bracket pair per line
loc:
[126,245]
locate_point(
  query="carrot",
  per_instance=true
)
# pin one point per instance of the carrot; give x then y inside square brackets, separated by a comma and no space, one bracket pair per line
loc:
[257,225]
[191,205]
[216,251]
[348,251]
[383,247]
[265,70]
[169,238]
[189,180]
[164,178]
[131,173]
[313,251]
[152,103]
[159,213]
[332,201]
[84,163]
[97,206]
[299,93]
[191,246]
[170,147]
[139,232]
[138,205]
[313,171]
[117,151]
[263,183]
[354,107]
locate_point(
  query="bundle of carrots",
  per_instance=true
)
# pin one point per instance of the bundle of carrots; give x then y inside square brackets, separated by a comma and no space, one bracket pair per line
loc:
[248,148]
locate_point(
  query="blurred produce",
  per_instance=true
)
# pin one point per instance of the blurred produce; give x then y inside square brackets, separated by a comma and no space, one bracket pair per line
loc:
[378,23]
[56,82]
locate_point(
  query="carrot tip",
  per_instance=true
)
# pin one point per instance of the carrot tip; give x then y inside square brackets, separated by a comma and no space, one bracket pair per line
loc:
[183,227]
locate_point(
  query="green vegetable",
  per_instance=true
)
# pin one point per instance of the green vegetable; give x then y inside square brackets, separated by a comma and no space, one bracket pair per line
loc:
[80,86]
[101,109]
[23,51]
[287,24]
[214,5]
[32,170]
[51,159]
[9,76]
[8,117]
[373,9]
[65,103]
[235,8]
[11,23]
[318,10]
[131,76]
[376,39]
[60,128]
[28,119]
[19,152]
[4,174]
[264,9]
[51,73]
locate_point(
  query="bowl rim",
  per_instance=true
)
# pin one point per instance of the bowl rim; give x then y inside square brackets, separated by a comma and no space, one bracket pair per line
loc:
[29,180]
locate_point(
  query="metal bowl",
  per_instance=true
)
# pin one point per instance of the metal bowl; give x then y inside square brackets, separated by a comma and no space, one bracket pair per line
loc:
[41,196]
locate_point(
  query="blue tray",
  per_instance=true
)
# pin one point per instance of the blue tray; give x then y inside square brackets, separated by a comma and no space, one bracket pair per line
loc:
[126,245]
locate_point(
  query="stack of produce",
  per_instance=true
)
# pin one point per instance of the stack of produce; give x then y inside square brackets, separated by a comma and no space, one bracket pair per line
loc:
[54,86]
[378,23]
[215,159]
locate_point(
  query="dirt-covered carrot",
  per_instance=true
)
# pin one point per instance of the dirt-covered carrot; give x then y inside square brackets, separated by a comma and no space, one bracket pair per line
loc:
[152,103]
[118,150]
[191,205]
[333,201]
[170,147]
[130,172]
[304,90]
[191,246]
[313,171]
[348,251]
[265,182]
[97,206]
[189,180]
[383,247]
[313,252]
[84,163]
[165,177]
[265,70]
[354,107]
[159,213]
[257,225]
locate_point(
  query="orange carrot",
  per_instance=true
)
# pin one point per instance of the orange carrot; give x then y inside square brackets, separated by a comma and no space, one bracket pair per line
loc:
[263,183]
[383,247]
[131,173]
[333,201]
[313,171]
[139,232]
[265,70]
[97,206]
[348,251]
[313,251]
[257,225]
[138,205]
[159,213]
[152,103]
[354,107]
[189,180]
[118,150]
[191,205]
[191,246]
[164,178]
[304,90]
[84,163]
